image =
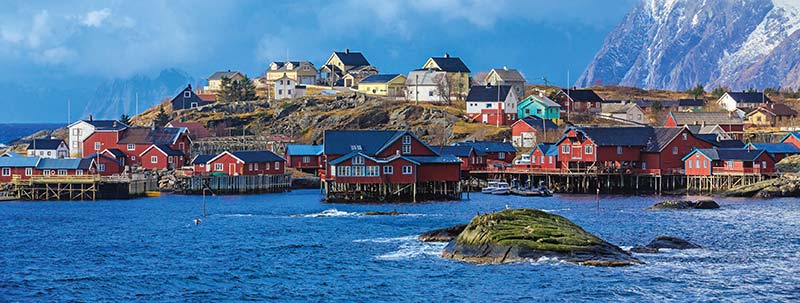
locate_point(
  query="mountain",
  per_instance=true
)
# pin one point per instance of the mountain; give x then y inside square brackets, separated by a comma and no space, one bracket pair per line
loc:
[115,97]
[677,44]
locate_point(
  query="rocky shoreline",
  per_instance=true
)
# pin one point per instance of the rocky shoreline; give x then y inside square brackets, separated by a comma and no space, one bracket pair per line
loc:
[787,185]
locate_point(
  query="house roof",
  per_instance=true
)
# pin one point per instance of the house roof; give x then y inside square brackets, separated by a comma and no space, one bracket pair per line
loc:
[775,148]
[207,97]
[650,103]
[420,77]
[146,135]
[115,152]
[196,129]
[548,149]
[105,124]
[68,163]
[796,135]
[257,156]
[699,118]
[703,129]
[489,93]
[614,108]
[582,95]
[442,159]
[92,156]
[282,66]
[505,74]
[489,146]
[352,58]
[370,142]
[713,139]
[450,64]
[537,123]
[303,150]
[775,109]
[202,159]
[379,78]
[454,150]
[45,144]
[744,97]
[547,102]
[613,136]
[661,137]
[724,154]
[19,161]
[691,102]
[228,74]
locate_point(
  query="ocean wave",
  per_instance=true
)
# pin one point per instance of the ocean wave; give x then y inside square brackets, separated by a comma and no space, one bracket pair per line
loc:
[330,213]
[555,210]
[410,248]
[386,240]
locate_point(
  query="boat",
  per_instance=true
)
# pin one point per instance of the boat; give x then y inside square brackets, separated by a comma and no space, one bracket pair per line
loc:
[502,189]
[152,194]
[490,186]
[529,191]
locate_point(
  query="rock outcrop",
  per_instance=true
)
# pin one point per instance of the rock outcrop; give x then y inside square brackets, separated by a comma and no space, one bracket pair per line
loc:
[515,235]
[384,213]
[685,204]
[662,242]
[446,234]
[787,185]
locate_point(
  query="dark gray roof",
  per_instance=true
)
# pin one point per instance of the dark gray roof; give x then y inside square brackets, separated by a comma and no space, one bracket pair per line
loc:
[662,136]
[202,159]
[615,136]
[489,146]
[352,58]
[699,118]
[714,140]
[116,152]
[691,102]
[744,97]
[488,93]
[257,156]
[379,78]
[724,154]
[454,150]
[169,151]
[145,135]
[538,123]
[451,64]
[106,124]
[44,144]
[582,95]
[219,75]
[369,142]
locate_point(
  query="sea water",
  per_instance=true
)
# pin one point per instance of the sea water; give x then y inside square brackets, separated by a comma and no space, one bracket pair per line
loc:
[291,247]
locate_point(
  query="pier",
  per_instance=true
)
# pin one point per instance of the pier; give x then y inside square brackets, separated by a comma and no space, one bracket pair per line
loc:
[80,188]
[337,192]
[243,184]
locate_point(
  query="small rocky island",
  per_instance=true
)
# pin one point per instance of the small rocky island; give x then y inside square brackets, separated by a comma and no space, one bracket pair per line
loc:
[665,242]
[515,235]
[685,204]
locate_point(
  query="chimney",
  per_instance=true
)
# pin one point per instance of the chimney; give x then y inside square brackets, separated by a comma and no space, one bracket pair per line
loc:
[446,55]
[505,67]
[114,125]
[190,86]
[90,118]
[346,50]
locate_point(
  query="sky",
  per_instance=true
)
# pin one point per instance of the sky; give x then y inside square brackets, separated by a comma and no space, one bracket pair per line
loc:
[55,50]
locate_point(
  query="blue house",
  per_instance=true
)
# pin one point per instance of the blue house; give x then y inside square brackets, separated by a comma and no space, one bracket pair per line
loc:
[539,106]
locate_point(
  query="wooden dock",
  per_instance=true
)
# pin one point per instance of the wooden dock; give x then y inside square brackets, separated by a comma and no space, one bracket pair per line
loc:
[80,188]
[382,192]
[237,184]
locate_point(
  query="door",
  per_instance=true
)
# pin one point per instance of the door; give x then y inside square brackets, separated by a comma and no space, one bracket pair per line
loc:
[485,118]
[577,152]
[232,169]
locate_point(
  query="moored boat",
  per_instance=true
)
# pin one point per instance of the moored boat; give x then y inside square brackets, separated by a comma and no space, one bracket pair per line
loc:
[502,189]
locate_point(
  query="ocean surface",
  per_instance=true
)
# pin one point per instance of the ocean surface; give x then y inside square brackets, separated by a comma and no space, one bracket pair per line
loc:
[13,131]
[290,247]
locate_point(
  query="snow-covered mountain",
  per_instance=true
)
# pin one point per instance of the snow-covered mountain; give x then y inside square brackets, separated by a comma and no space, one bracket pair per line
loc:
[116,97]
[677,44]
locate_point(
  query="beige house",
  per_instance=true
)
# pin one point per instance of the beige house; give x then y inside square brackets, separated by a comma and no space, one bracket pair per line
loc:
[457,74]
[341,64]
[390,85]
[303,72]
[215,80]
[629,112]
[506,76]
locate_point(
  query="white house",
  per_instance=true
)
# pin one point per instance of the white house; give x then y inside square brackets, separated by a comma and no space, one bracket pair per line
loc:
[506,76]
[629,112]
[82,129]
[427,85]
[48,148]
[733,100]
[286,87]
[492,104]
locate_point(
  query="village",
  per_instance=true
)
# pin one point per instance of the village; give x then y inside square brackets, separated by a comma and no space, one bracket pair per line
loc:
[570,140]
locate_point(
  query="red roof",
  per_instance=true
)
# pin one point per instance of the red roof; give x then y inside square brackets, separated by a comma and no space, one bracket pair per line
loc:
[208,97]
[196,130]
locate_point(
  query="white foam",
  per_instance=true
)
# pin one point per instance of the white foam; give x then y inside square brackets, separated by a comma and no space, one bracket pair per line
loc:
[386,240]
[412,249]
[330,213]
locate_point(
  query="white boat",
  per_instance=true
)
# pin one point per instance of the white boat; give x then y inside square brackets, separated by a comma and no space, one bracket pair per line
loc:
[490,187]
[502,189]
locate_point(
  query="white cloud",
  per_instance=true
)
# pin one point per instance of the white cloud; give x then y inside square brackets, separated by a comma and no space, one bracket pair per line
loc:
[95,18]
[56,55]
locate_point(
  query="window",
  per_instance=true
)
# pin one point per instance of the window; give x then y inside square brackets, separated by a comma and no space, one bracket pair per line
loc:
[97,146]
[75,145]
[358,171]
[730,163]
[339,170]
[488,105]
[79,172]
[76,132]
[28,171]
[619,150]
[131,146]
[644,165]
[697,163]
[277,165]
[430,94]
[288,91]
[280,92]
[565,149]
[6,171]
[306,159]
[406,139]
[154,159]
[187,94]
[705,164]
[133,158]
[62,172]
[218,166]
[689,163]
[358,160]
[501,155]
[763,164]
[388,170]
[533,159]
[256,166]
[406,148]
[373,171]
[250,167]
[49,153]
[407,170]
[674,150]
[170,159]
[589,149]
[684,136]
[348,170]
[46,172]
[550,159]
[193,105]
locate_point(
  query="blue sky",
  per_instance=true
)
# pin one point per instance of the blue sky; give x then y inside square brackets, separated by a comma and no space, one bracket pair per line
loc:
[69,47]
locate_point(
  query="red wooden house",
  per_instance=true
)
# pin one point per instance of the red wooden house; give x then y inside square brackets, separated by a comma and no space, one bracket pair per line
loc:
[133,141]
[388,157]
[161,156]
[495,151]
[666,148]
[793,138]
[777,151]
[729,122]
[605,148]
[471,159]
[304,157]
[106,165]
[22,167]
[728,161]
[248,163]
[27,167]
[578,100]
[526,131]
[544,157]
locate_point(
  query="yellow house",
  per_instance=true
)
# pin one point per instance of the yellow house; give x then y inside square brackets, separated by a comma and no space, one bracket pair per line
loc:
[301,71]
[215,80]
[341,64]
[457,73]
[773,114]
[390,85]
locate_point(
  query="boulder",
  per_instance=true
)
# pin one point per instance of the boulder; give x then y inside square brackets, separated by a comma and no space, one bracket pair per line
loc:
[446,234]
[685,204]
[384,213]
[644,250]
[671,243]
[515,235]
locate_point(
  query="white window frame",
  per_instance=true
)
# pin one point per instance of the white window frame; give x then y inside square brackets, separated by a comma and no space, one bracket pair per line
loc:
[154,159]
[187,94]
[131,146]
[406,139]
[674,150]
[408,170]
[97,146]
[358,160]
[619,150]
[62,172]
[589,149]
[690,164]
[29,171]
[406,149]
[101,167]
[6,171]
[501,155]
[565,149]
[46,172]
[255,166]
[277,165]
[306,159]
[79,172]
[685,136]
[388,170]
[219,166]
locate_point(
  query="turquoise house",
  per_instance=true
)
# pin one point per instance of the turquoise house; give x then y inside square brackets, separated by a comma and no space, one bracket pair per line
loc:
[541,107]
